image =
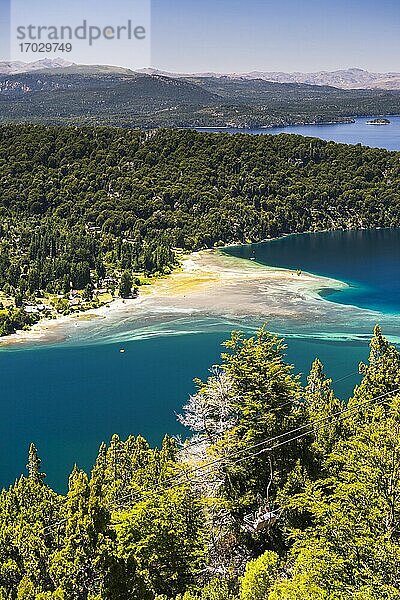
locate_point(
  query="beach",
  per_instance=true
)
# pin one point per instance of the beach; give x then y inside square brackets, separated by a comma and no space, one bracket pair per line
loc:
[207,283]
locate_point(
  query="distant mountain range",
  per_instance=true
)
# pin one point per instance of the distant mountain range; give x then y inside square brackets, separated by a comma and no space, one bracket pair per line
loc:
[61,92]
[344,78]
[58,65]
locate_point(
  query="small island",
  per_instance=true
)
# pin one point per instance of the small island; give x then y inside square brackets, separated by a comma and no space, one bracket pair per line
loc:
[379,122]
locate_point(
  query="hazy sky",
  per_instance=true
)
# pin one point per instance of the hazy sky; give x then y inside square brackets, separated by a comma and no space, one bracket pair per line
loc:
[287,35]
[4,23]
[241,35]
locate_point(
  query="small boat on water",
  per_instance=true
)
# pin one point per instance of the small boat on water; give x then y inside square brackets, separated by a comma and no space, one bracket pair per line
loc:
[379,122]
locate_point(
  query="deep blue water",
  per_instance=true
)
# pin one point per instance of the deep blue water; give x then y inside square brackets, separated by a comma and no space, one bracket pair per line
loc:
[67,398]
[378,136]
[369,261]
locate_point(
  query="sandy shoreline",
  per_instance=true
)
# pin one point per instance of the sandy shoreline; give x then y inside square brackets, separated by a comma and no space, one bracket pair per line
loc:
[208,283]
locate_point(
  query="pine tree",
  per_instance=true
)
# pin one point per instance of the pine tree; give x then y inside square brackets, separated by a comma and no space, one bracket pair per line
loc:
[33,465]
[82,566]
[320,403]
[381,377]
[125,286]
[266,404]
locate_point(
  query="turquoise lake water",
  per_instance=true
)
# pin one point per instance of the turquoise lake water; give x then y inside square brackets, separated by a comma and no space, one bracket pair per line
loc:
[70,396]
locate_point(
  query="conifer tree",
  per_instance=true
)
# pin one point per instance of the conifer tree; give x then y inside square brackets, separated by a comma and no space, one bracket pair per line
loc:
[125,286]
[81,567]
[266,403]
[381,377]
[320,403]
[33,465]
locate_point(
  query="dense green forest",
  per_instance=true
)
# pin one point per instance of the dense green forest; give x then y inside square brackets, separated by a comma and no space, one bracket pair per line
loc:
[70,96]
[176,522]
[87,213]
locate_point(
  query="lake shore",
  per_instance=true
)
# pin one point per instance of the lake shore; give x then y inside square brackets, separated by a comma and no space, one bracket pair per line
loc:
[49,330]
[207,283]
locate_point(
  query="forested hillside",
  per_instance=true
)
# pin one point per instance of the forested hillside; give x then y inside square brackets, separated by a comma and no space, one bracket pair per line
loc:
[87,211]
[283,492]
[65,96]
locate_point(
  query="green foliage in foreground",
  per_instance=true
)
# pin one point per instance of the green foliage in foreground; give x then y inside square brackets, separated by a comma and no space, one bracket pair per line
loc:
[167,523]
[90,208]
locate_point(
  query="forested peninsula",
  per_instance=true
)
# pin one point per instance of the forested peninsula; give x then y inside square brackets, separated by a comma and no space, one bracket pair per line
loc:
[88,214]
[282,492]
[99,95]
